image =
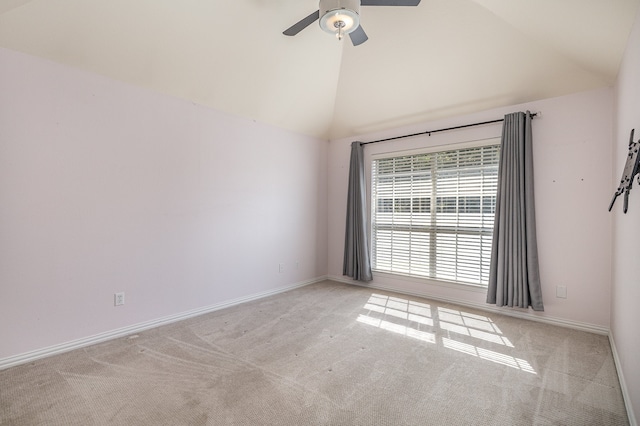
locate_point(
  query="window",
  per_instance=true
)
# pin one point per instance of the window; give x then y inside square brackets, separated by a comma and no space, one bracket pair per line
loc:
[432,214]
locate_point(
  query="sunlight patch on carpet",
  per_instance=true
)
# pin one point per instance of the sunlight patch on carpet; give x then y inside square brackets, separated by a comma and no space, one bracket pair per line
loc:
[384,312]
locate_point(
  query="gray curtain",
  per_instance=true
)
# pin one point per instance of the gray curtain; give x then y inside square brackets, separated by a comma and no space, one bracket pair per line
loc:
[357,263]
[514,278]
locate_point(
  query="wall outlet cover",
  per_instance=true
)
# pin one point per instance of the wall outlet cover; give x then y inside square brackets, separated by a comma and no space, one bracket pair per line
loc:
[118,299]
[561,292]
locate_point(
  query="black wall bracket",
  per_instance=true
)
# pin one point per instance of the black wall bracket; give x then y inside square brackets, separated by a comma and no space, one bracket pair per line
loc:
[631,169]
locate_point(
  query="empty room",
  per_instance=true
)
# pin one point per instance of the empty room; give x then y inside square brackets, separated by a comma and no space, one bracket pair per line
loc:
[334,212]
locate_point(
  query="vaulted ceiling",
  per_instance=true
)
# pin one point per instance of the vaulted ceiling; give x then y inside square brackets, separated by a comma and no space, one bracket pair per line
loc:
[442,58]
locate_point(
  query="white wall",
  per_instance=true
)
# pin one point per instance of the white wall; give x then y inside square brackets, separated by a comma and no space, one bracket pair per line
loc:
[573,186]
[109,188]
[625,315]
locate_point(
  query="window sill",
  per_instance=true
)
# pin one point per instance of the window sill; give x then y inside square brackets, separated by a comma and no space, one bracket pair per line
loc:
[475,288]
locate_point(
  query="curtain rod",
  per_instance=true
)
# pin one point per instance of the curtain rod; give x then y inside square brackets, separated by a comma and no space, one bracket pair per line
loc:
[428,132]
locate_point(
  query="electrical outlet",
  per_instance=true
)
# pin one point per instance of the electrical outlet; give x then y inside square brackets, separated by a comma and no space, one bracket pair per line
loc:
[281,267]
[561,292]
[118,299]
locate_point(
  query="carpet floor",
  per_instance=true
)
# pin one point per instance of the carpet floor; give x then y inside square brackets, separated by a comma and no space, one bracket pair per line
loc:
[327,354]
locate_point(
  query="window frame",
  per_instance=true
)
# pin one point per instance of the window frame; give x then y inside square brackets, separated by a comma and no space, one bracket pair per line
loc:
[378,154]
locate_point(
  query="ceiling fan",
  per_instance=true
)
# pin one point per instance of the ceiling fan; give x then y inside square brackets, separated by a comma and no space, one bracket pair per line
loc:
[342,17]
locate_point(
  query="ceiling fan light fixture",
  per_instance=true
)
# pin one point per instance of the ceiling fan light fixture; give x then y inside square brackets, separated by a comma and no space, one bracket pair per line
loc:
[339,17]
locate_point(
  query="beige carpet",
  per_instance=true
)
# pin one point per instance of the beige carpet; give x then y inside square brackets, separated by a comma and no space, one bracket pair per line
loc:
[327,354]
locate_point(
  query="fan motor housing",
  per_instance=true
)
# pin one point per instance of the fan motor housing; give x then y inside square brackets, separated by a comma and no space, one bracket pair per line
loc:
[330,5]
[349,9]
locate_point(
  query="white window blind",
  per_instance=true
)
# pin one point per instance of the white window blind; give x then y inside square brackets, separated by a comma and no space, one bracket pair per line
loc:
[432,214]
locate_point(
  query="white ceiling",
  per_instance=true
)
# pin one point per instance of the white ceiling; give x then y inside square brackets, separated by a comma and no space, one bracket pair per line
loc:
[442,58]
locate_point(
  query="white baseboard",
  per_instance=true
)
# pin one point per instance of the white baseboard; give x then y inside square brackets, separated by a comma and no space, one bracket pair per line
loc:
[592,328]
[623,384]
[136,328]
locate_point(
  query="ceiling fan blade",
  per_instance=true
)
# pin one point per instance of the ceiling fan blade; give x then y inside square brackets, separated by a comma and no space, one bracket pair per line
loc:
[302,24]
[358,36]
[390,2]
